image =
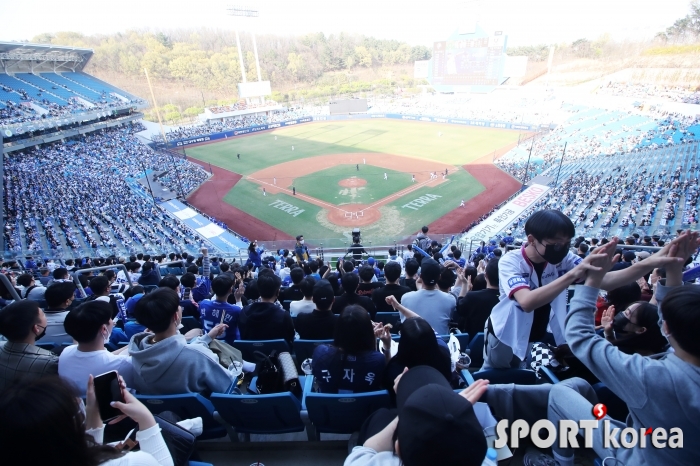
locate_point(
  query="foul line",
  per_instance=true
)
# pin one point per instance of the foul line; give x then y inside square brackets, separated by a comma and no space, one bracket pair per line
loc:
[318,202]
[312,200]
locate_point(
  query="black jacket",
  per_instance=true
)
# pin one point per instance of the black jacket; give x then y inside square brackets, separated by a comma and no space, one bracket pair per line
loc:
[473,310]
[266,321]
[380,294]
[293,293]
[316,325]
[341,302]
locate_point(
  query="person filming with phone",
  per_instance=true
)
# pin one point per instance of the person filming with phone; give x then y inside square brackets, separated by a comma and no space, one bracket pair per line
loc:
[49,411]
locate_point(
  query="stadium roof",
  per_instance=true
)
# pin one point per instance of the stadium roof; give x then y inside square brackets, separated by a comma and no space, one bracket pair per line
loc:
[17,57]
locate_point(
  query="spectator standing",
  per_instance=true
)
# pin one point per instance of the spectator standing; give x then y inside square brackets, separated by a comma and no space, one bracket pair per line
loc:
[301,252]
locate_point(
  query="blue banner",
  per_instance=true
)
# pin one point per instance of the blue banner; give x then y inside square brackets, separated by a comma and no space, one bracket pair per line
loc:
[255,129]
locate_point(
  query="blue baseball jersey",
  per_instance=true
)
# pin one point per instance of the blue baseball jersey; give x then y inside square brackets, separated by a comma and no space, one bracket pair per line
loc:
[210,315]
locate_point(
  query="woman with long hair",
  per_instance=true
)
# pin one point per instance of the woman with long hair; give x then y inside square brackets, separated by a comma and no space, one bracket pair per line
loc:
[418,346]
[352,363]
[635,330]
[255,254]
[46,412]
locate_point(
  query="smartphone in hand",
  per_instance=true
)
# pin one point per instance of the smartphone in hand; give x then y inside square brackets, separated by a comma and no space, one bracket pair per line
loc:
[107,390]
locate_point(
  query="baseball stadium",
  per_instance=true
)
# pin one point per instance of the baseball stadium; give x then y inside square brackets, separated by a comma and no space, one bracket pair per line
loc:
[350,233]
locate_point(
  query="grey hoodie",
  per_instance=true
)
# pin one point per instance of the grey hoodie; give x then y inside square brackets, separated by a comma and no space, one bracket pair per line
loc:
[659,392]
[172,366]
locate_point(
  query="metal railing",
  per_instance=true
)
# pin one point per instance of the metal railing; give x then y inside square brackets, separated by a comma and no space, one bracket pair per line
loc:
[78,272]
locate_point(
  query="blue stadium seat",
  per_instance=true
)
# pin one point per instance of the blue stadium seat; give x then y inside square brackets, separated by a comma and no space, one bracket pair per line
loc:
[187,406]
[198,463]
[276,413]
[392,318]
[476,350]
[303,349]
[340,413]
[249,347]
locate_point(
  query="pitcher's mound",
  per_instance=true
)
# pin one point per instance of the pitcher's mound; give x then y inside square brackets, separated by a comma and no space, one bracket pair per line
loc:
[352,182]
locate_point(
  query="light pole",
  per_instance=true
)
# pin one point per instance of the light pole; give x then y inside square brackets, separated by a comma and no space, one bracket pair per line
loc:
[247,12]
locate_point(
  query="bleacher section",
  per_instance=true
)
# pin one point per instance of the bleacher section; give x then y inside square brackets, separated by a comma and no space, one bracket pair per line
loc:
[650,191]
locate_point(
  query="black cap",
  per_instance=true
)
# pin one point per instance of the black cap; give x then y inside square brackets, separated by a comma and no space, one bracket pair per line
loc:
[323,293]
[436,425]
[429,271]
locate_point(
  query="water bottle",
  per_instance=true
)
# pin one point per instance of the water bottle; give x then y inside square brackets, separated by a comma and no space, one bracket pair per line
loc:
[490,459]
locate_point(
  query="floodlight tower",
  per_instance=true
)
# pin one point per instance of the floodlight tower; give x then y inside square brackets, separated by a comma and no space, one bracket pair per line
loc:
[247,12]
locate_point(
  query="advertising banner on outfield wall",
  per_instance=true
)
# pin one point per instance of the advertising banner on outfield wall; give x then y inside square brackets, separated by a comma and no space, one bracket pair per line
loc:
[503,218]
[255,129]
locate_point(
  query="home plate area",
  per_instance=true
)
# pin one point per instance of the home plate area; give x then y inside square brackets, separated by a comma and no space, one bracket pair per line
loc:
[351,200]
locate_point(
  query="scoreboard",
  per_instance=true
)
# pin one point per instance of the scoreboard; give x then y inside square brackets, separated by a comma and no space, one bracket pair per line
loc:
[469,60]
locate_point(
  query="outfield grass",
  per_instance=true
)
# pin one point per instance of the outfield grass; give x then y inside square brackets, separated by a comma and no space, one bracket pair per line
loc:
[458,145]
[323,184]
[248,197]
[459,185]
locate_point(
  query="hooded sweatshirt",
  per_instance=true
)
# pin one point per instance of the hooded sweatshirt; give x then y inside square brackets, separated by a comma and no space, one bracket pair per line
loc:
[659,392]
[173,366]
[266,321]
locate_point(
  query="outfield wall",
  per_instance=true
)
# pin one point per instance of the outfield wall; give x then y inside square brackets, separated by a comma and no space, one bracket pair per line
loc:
[456,121]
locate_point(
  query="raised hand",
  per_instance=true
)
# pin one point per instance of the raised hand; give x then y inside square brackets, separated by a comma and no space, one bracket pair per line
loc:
[391,301]
[607,319]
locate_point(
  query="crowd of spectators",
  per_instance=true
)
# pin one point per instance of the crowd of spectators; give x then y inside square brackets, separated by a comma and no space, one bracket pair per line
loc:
[680,94]
[76,194]
[238,122]
[625,307]
[21,112]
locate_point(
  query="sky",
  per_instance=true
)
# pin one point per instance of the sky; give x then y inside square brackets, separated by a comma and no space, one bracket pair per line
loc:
[416,22]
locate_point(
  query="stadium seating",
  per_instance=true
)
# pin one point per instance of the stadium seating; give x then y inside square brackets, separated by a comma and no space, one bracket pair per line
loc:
[248,348]
[340,413]
[187,406]
[304,349]
[276,413]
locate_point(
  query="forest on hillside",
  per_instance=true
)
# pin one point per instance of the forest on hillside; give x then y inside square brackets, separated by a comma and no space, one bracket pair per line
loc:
[208,59]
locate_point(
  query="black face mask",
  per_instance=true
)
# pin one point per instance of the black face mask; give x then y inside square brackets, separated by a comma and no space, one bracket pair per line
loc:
[619,323]
[41,335]
[555,253]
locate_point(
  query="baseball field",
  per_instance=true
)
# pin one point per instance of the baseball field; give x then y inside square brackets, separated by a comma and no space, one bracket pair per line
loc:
[323,179]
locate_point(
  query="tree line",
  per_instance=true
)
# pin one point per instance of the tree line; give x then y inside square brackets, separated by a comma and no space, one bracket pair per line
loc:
[208,59]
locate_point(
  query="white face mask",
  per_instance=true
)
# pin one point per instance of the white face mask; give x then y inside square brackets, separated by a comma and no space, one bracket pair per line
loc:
[301,242]
[106,337]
